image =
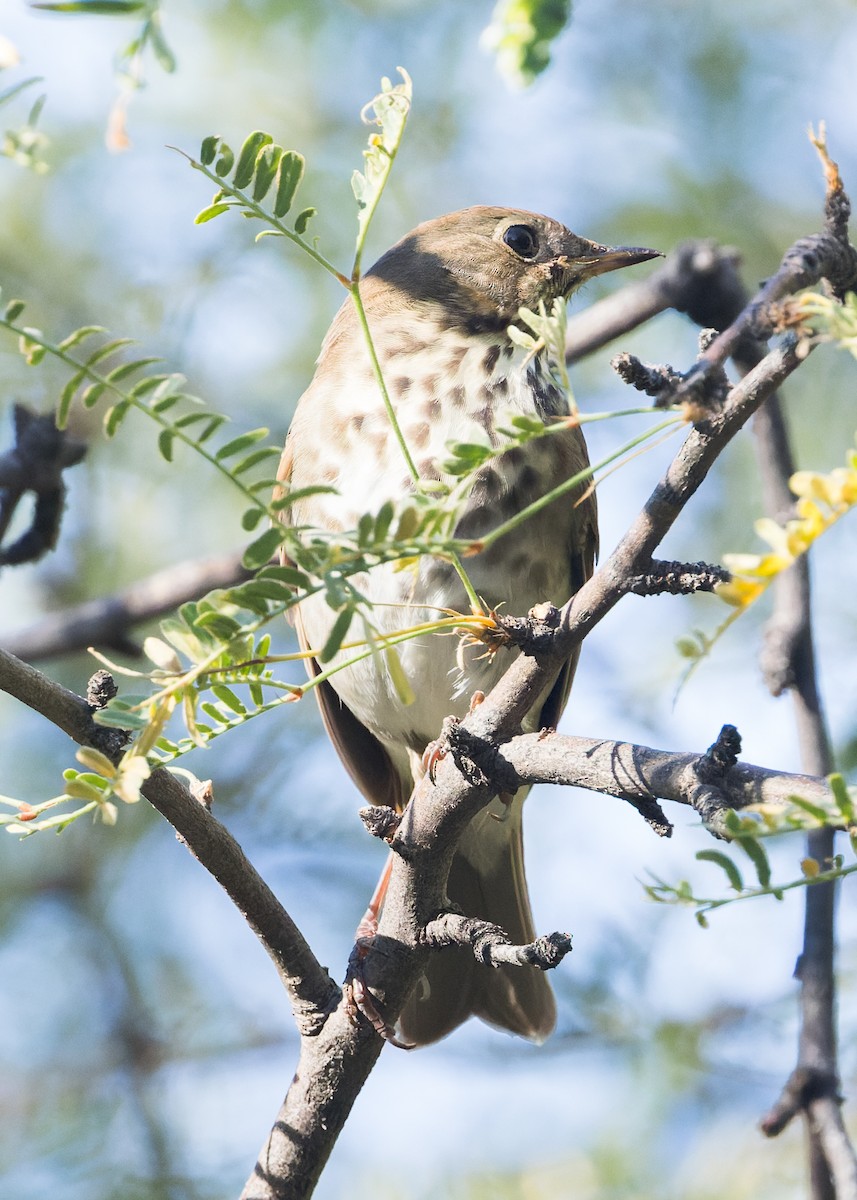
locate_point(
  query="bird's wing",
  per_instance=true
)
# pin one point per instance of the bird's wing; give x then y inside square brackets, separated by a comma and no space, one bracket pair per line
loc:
[363,756]
[583,552]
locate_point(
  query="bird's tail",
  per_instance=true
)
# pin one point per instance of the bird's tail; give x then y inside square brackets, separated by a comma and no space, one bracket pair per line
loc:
[486,880]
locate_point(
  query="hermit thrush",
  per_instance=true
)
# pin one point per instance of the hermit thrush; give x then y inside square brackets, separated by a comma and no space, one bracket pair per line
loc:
[439,306]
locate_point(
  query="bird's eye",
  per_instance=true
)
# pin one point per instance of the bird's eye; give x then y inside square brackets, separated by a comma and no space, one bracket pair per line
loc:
[522,240]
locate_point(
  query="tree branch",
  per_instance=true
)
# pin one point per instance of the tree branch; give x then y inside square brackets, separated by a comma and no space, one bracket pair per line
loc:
[35,464]
[437,814]
[311,990]
[107,622]
[335,1062]
[633,773]
[788,662]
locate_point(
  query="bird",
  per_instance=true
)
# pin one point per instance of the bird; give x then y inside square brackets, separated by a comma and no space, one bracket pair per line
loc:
[439,305]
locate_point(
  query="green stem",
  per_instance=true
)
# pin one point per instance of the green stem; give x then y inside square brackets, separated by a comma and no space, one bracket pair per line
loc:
[258,211]
[705,906]
[354,288]
[86,372]
[569,485]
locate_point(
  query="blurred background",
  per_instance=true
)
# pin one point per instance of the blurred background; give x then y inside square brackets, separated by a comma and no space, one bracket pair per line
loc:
[145,1044]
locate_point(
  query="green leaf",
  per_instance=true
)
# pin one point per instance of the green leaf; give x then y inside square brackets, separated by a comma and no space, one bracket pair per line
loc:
[224,164]
[521,34]
[301,493]
[104,8]
[257,592]
[191,419]
[212,711]
[218,624]
[66,397]
[241,443]
[107,349]
[164,56]
[247,157]
[92,394]
[165,443]
[290,576]
[337,635]
[842,798]
[214,423]
[383,521]
[33,353]
[78,790]
[264,485]
[755,851]
[258,553]
[226,696]
[80,335]
[466,456]
[114,416]
[290,173]
[13,310]
[267,162]
[160,384]
[400,680]
[303,219]
[365,529]
[185,640]
[409,523]
[256,457]
[208,149]
[814,810]
[164,404]
[726,864]
[125,369]
[117,714]
[213,210]
[251,518]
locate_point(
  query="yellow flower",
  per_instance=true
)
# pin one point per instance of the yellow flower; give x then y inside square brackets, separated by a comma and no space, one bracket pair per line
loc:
[739,592]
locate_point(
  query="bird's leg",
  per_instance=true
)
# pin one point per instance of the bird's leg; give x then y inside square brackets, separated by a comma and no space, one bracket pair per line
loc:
[368,925]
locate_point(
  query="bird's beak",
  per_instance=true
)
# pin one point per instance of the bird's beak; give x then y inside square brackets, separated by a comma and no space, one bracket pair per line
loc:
[600,259]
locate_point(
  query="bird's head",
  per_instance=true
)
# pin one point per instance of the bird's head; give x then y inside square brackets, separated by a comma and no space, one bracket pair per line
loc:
[480,265]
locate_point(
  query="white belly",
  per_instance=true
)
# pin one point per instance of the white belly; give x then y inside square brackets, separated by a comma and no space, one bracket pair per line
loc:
[528,566]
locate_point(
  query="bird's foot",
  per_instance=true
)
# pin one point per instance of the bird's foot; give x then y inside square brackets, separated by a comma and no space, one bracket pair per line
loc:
[437,750]
[358,999]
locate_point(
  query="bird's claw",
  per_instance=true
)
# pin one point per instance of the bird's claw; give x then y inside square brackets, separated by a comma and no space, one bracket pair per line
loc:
[359,1001]
[434,752]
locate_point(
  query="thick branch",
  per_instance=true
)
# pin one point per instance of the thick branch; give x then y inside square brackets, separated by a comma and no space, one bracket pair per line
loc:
[788,661]
[515,694]
[826,255]
[438,813]
[335,1063]
[632,772]
[310,988]
[35,464]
